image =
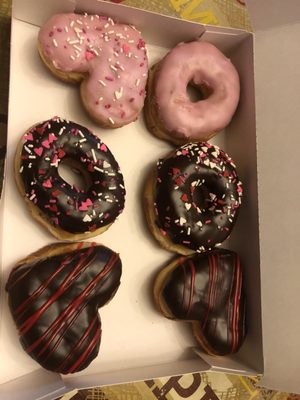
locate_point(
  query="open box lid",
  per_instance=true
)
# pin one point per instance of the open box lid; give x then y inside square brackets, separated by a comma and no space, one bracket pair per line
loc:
[277,81]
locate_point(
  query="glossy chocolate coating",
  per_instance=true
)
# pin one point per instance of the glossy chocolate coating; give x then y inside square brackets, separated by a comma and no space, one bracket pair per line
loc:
[197,196]
[208,288]
[67,207]
[54,302]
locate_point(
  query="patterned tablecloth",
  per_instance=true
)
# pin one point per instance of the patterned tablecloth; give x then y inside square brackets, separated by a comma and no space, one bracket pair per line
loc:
[204,386]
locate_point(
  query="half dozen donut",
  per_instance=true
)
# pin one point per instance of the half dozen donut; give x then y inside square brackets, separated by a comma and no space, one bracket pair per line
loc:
[192,197]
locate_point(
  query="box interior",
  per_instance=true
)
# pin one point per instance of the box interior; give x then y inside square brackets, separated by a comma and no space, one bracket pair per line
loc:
[167,347]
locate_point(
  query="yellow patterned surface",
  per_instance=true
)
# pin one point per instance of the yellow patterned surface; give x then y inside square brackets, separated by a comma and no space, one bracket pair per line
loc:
[205,386]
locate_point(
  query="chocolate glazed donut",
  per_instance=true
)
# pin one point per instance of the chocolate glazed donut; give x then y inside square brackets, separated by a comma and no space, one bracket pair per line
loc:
[54,296]
[192,199]
[67,211]
[207,290]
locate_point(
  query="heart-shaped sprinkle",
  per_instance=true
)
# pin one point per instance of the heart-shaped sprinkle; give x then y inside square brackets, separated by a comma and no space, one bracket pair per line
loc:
[47,183]
[38,151]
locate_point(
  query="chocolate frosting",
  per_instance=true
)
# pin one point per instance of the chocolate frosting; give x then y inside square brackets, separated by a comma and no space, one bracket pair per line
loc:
[66,206]
[54,302]
[197,196]
[207,288]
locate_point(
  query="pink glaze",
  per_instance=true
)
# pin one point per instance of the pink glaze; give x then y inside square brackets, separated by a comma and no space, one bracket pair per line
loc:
[199,63]
[113,55]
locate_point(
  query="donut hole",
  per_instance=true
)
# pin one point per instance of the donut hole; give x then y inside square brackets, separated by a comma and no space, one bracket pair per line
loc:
[203,196]
[197,92]
[73,173]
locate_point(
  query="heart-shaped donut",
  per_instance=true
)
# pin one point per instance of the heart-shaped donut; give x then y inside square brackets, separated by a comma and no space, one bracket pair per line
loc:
[108,59]
[54,296]
[206,289]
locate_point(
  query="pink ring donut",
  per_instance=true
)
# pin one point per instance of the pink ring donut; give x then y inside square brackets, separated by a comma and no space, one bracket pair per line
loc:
[170,114]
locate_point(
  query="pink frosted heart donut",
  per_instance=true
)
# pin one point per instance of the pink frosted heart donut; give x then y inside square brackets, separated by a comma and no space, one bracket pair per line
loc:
[108,59]
[169,112]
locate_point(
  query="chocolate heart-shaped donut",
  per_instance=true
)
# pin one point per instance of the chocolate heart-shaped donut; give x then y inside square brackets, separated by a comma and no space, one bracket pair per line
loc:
[206,289]
[54,296]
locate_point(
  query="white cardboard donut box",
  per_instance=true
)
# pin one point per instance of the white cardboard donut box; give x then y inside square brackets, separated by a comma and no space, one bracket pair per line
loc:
[137,342]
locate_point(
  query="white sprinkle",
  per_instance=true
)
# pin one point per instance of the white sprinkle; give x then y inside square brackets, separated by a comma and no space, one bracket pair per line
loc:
[94,155]
[187,205]
[204,149]
[77,47]
[119,93]
[113,68]
[102,83]
[73,42]
[72,23]
[137,82]
[206,162]
[55,43]
[212,165]
[131,41]
[27,149]
[77,30]
[106,25]
[66,29]
[98,169]
[100,99]
[109,200]
[189,231]
[72,57]
[111,120]
[82,140]
[110,32]
[116,54]
[86,218]
[21,169]
[182,221]
[199,223]
[32,196]
[121,67]
[106,164]
[112,188]
[79,22]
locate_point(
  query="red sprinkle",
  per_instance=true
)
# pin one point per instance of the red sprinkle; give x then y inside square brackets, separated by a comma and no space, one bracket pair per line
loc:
[184,197]
[109,78]
[89,55]
[126,48]
[140,44]
[107,106]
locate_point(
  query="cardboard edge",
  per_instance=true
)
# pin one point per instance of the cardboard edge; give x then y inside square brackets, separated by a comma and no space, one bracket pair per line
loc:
[182,367]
